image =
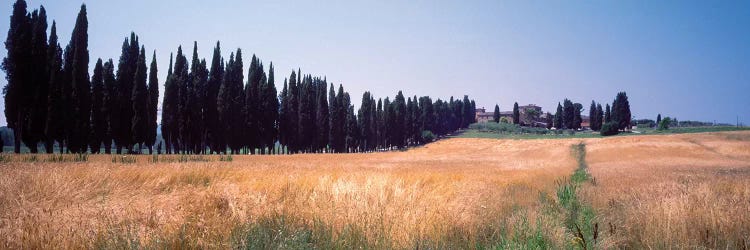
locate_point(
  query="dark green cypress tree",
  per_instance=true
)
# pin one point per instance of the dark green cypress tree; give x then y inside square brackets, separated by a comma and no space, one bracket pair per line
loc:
[516,114]
[18,67]
[592,114]
[577,119]
[410,122]
[365,119]
[559,117]
[57,97]
[197,89]
[607,114]
[213,126]
[169,109]
[306,111]
[283,122]
[467,112]
[270,111]
[139,99]
[658,119]
[496,114]
[230,102]
[427,116]
[80,82]
[621,111]
[322,117]
[126,69]
[251,109]
[568,114]
[399,122]
[352,129]
[98,118]
[599,116]
[34,132]
[292,114]
[333,105]
[109,103]
[153,104]
[184,97]
[380,124]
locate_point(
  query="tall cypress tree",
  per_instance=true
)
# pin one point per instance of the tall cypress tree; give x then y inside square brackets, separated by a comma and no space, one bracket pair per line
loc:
[333,107]
[306,123]
[607,114]
[18,67]
[283,122]
[559,119]
[169,109]
[81,94]
[516,114]
[139,99]
[181,76]
[366,123]
[153,104]
[292,115]
[252,105]
[109,103]
[599,116]
[34,132]
[57,94]
[126,69]
[496,114]
[270,111]
[230,102]
[322,118]
[213,127]
[98,118]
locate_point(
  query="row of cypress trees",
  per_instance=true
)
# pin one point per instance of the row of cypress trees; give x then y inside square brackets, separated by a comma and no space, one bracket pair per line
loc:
[50,99]
[568,114]
[217,111]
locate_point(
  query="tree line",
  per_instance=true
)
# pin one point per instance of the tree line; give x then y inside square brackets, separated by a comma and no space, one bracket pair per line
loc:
[51,99]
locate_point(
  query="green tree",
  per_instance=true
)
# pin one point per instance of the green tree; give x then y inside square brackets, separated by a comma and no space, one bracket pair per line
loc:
[169,108]
[607,114]
[516,114]
[658,119]
[559,121]
[569,115]
[57,94]
[270,111]
[496,114]
[109,103]
[98,118]
[231,100]
[214,130]
[78,70]
[153,104]
[18,69]
[664,123]
[139,100]
[322,118]
[126,69]
[34,132]
[621,111]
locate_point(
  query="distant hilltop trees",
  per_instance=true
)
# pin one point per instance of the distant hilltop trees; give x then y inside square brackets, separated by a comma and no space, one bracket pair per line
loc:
[50,99]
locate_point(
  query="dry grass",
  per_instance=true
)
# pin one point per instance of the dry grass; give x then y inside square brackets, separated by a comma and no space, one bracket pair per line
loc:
[471,189]
[674,191]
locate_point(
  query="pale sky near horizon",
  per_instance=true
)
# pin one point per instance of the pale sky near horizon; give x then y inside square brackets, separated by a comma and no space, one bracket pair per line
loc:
[684,59]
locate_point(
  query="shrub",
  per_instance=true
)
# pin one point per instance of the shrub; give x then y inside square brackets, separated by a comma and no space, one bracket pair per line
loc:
[428,136]
[664,124]
[609,128]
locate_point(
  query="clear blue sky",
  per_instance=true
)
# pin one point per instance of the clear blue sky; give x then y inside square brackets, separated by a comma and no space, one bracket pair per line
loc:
[689,59]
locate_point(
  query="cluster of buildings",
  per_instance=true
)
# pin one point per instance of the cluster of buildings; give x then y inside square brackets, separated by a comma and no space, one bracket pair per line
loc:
[529,115]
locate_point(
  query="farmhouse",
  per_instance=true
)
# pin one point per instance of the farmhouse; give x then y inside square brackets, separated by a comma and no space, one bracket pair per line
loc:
[530,114]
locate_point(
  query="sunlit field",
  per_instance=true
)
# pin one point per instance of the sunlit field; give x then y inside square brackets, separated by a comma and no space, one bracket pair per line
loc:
[683,191]
[679,191]
[452,193]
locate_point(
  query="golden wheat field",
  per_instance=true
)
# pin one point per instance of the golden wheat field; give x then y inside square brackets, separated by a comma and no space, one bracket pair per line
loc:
[690,190]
